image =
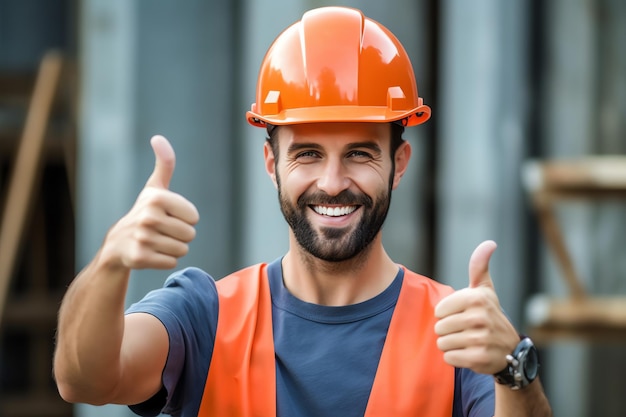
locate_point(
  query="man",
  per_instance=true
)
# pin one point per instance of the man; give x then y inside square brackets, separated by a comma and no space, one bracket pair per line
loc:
[334,327]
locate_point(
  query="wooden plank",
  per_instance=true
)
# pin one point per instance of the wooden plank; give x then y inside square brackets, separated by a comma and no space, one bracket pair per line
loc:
[545,335]
[25,175]
[583,175]
[554,237]
[34,311]
[593,319]
[606,311]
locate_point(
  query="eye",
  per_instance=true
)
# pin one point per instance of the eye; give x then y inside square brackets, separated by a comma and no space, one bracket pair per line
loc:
[359,154]
[307,155]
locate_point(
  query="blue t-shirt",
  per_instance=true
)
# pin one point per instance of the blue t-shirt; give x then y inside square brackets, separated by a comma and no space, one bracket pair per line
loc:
[326,357]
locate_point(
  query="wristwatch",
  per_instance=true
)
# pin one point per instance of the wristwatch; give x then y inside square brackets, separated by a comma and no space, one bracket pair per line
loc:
[522,367]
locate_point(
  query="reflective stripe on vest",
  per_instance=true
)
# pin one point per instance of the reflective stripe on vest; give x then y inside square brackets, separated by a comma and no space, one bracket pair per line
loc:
[412,378]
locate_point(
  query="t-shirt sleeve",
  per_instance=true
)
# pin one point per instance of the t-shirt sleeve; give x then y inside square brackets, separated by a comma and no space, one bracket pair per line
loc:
[474,394]
[187,305]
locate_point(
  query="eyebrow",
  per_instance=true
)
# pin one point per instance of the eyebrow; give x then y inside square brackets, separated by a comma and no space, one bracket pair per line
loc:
[373,146]
[295,147]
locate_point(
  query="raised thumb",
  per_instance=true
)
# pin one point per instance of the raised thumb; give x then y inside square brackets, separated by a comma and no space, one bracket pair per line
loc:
[164,162]
[479,265]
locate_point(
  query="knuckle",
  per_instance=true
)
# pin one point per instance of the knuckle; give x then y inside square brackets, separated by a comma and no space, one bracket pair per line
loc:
[152,194]
[477,320]
[142,237]
[478,339]
[135,257]
[149,218]
[478,298]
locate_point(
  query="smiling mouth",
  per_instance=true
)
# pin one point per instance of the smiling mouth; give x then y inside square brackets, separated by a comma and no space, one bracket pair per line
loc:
[334,211]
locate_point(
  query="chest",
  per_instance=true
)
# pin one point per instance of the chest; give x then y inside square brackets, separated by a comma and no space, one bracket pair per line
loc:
[320,365]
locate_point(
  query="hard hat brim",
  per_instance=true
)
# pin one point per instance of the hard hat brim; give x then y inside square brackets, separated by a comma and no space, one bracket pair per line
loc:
[331,114]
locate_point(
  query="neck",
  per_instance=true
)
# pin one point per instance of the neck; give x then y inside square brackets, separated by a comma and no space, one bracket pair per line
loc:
[338,283]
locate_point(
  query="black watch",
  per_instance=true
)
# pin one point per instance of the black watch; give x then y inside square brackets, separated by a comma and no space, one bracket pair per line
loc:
[522,368]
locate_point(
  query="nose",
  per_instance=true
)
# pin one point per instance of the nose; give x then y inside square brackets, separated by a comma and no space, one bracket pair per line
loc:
[334,177]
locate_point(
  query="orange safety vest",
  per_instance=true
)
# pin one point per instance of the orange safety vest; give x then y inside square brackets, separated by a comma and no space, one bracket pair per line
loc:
[412,378]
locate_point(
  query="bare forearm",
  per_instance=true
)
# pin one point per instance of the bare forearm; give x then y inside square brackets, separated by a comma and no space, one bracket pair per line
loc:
[90,331]
[526,402]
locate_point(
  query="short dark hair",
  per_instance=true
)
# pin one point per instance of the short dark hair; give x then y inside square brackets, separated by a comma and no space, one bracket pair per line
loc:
[397,130]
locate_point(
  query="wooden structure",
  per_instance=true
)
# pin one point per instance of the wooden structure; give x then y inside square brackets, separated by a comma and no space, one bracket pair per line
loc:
[37,140]
[579,315]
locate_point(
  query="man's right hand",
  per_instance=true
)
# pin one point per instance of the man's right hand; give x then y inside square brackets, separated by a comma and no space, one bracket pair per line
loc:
[103,356]
[158,228]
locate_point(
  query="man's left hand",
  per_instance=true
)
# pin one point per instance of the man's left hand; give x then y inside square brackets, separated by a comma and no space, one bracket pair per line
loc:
[473,331]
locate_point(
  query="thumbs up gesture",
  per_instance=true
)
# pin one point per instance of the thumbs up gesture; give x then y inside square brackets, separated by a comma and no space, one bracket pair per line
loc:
[159,226]
[473,331]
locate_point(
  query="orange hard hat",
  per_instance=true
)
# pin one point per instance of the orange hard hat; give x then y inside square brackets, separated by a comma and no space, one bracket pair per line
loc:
[336,65]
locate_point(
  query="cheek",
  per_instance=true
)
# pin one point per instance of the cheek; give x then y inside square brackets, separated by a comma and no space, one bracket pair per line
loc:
[372,178]
[294,182]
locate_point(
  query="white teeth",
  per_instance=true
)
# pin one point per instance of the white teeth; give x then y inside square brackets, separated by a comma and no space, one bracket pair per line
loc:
[334,211]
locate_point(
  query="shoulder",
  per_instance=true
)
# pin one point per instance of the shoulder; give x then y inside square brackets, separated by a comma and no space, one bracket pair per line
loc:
[415,279]
[190,277]
[189,293]
[247,280]
[257,271]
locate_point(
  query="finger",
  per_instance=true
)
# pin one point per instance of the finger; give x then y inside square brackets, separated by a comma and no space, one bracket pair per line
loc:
[475,358]
[479,265]
[168,246]
[156,261]
[454,341]
[453,303]
[150,242]
[449,325]
[177,229]
[180,208]
[156,252]
[165,161]
[172,204]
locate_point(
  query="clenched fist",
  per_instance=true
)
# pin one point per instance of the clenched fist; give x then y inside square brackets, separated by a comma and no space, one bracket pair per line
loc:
[158,228]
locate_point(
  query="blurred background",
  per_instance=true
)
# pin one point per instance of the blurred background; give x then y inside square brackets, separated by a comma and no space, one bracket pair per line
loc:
[513,86]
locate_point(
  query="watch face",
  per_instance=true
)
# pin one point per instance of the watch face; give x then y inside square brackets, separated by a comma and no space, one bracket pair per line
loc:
[523,366]
[531,364]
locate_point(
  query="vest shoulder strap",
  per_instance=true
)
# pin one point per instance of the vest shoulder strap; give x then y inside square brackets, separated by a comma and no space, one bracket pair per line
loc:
[412,378]
[242,373]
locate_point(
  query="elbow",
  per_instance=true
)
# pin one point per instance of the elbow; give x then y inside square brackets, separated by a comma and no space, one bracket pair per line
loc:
[68,393]
[74,394]
[80,391]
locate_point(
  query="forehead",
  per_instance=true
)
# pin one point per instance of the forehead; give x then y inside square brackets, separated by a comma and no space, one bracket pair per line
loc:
[327,134]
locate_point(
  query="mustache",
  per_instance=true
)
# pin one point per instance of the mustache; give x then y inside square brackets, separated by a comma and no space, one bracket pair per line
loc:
[345,197]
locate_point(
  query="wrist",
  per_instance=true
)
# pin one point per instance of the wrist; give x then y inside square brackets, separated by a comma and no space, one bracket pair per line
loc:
[522,366]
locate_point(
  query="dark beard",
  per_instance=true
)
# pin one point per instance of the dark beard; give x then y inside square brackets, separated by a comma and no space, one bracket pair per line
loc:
[335,244]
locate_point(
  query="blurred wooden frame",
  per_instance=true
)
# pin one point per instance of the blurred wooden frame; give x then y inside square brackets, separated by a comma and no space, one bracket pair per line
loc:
[25,175]
[592,318]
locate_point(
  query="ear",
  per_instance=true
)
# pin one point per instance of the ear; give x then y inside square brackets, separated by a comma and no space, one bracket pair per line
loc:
[270,162]
[401,159]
